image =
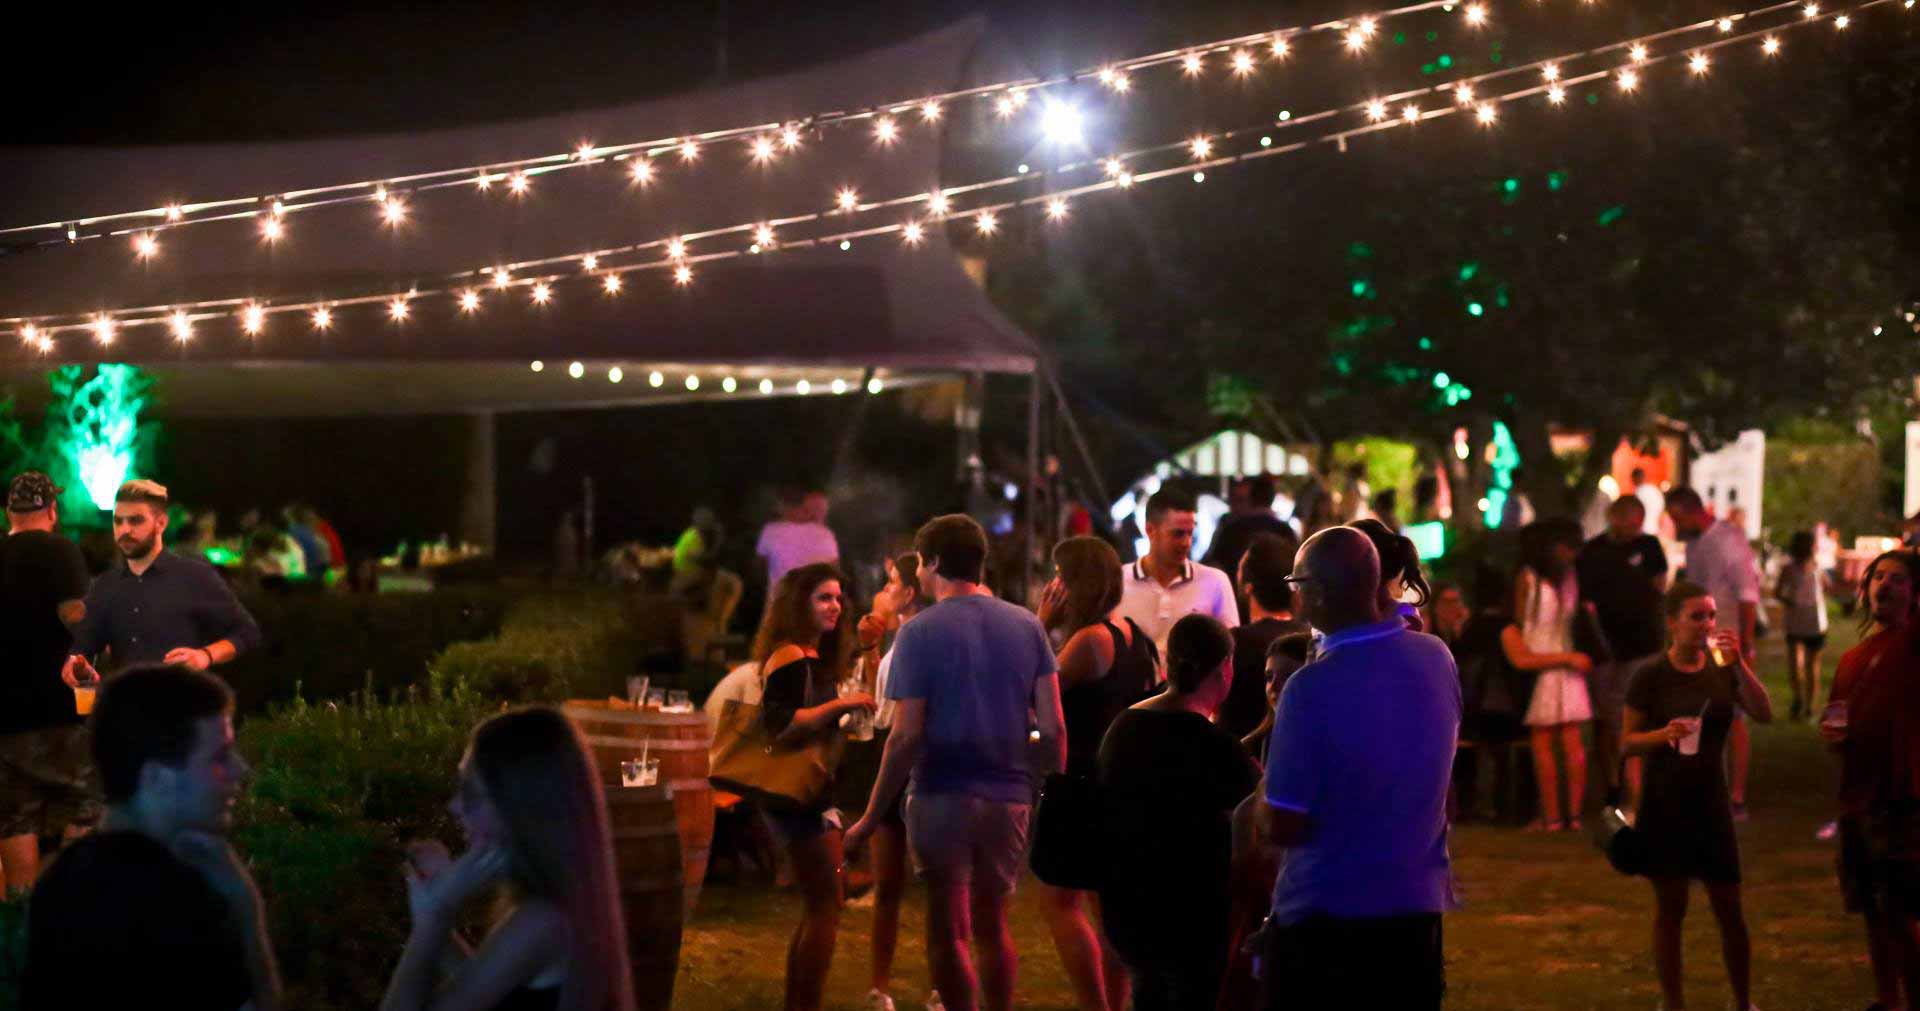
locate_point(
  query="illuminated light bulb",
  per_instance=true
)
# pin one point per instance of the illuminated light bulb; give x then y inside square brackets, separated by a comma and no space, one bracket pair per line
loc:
[1556,94]
[1629,80]
[1697,63]
[729,385]
[1115,166]
[483,181]
[145,246]
[616,374]
[611,284]
[930,111]
[689,150]
[29,333]
[589,262]
[271,229]
[873,385]
[1355,41]
[470,302]
[1201,147]
[1367,27]
[393,212]
[1487,114]
[1242,63]
[103,327]
[693,383]
[763,235]
[1811,10]
[1112,78]
[174,212]
[279,208]
[766,386]
[1056,209]
[1192,63]
[518,183]
[1004,107]
[846,244]
[763,149]
[1268,141]
[987,223]
[1019,98]
[839,386]
[1061,124]
[1842,22]
[790,137]
[576,369]
[656,380]
[1551,71]
[1280,47]
[642,170]
[1124,180]
[848,198]
[182,327]
[885,130]
[1411,114]
[1638,53]
[683,275]
[46,345]
[585,151]
[1463,93]
[542,293]
[1377,110]
[398,309]
[1476,14]
[1199,177]
[803,387]
[253,319]
[937,202]
[501,277]
[1770,45]
[379,194]
[676,248]
[1725,25]
[912,233]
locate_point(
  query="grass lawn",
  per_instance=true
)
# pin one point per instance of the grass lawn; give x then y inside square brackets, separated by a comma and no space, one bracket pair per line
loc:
[1547,924]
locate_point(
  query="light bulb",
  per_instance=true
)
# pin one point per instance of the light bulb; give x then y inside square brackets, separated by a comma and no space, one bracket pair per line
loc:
[1629,80]
[873,385]
[1842,22]
[1770,45]
[469,302]
[763,235]
[1115,166]
[1463,93]
[642,170]
[542,293]
[182,327]
[537,365]
[729,385]
[689,150]
[483,181]
[790,137]
[656,380]
[1725,25]
[1355,41]
[1411,113]
[616,374]
[848,199]
[1242,63]
[589,262]
[1367,27]
[518,183]
[683,275]
[1201,147]
[271,229]
[1638,53]
[174,212]
[1192,63]
[1556,94]
[611,284]
[1476,14]
[885,130]
[693,383]
[585,151]
[398,309]
[987,223]
[937,202]
[1377,110]
[1056,209]
[1551,71]
[930,110]
[393,212]
[322,318]
[839,386]
[1488,114]
[912,233]
[576,369]
[803,387]
[501,277]
[1004,107]
[676,248]
[1811,10]
[1697,63]
[763,149]
[253,319]
[29,333]
[766,386]
[145,246]
[103,327]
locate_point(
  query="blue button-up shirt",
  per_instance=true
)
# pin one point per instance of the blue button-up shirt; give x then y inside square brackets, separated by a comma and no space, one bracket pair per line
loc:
[178,601]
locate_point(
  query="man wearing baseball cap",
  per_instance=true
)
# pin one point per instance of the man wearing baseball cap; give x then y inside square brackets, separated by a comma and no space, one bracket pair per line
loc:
[45,769]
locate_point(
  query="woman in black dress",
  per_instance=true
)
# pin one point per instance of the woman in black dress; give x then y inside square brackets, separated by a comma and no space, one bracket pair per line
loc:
[802,649]
[1105,666]
[1677,715]
[1171,779]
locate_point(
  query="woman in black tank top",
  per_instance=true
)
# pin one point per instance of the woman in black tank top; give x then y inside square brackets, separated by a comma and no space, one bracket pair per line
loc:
[1105,667]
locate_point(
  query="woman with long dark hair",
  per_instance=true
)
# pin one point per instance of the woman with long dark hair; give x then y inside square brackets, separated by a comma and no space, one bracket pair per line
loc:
[1400,575]
[803,649]
[1546,596]
[1678,712]
[1105,666]
[530,803]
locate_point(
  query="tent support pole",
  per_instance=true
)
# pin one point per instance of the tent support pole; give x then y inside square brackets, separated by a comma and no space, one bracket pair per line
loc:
[1030,534]
[1079,441]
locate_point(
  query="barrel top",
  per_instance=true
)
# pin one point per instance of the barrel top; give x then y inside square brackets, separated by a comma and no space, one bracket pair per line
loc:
[621,711]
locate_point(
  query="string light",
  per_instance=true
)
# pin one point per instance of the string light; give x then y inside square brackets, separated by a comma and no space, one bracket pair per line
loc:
[1191,64]
[1356,41]
[911,233]
[1463,93]
[271,229]
[763,149]
[1367,27]
[182,327]
[987,223]
[1698,63]
[589,262]
[676,248]
[642,171]
[789,137]
[1411,113]
[930,111]
[885,130]
[690,150]
[936,203]
[1487,114]
[873,386]
[29,333]
[254,319]
[1551,71]
[656,380]
[1005,107]
[174,212]
[1725,25]
[1242,63]
[1770,45]
[322,318]
[1113,79]
[1556,94]
[1842,22]
[763,235]
[518,183]
[1377,110]
[1280,47]
[576,369]
[483,182]
[1056,209]
[1629,80]
[803,387]
[469,301]
[399,310]
[1124,180]
[103,329]
[848,199]
[542,293]
[1201,147]
[683,275]
[615,374]
[839,386]
[393,212]
[1638,53]
[1476,14]
[766,386]
[146,246]
[611,284]
[693,383]
[585,151]
[1114,166]
[502,277]
[1811,10]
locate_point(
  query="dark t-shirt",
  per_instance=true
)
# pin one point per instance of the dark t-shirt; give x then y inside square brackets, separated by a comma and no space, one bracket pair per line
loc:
[1246,703]
[1662,693]
[118,921]
[1235,532]
[1172,780]
[39,571]
[1620,580]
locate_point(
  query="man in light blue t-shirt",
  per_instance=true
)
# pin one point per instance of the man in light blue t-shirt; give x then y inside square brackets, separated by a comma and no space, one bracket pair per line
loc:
[966,674]
[1356,790]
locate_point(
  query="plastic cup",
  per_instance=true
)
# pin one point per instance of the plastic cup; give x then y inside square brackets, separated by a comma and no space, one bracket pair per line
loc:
[1690,744]
[636,690]
[83,697]
[1719,656]
[1834,717]
[656,698]
[679,702]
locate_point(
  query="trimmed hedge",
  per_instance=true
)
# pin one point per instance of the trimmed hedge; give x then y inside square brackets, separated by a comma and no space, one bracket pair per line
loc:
[579,645]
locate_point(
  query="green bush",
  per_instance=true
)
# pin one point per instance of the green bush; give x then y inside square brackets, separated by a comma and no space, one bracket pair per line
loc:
[558,647]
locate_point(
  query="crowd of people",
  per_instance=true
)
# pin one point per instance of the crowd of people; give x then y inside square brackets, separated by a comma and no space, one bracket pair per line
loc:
[1253,806]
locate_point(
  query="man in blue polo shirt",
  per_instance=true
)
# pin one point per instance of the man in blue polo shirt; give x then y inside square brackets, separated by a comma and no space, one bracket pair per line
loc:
[1356,788]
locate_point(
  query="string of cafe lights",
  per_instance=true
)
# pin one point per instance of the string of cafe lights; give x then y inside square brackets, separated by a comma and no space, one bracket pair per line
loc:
[764,142]
[1198,155]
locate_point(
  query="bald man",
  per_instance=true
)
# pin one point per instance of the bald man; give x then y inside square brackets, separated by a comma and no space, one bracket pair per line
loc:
[1356,790]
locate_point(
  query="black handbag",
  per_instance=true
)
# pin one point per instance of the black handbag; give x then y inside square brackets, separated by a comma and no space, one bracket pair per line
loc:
[1067,849]
[1624,845]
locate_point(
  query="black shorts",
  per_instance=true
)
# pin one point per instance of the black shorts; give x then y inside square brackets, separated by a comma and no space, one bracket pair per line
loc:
[1879,864]
[1812,642]
[1375,962]
[801,826]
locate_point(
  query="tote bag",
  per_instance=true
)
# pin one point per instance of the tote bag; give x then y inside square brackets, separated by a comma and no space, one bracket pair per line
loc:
[747,760]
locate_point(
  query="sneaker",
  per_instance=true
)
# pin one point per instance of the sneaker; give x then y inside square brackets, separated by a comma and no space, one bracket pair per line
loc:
[877,1001]
[933,1001]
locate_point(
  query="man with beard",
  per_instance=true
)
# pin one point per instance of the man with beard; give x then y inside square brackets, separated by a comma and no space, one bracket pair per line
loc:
[155,905]
[156,606]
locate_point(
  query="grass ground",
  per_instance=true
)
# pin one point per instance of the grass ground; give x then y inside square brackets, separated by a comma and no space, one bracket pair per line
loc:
[1547,924]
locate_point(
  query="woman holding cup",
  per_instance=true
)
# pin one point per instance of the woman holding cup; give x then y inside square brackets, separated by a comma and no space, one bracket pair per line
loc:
[1678,712]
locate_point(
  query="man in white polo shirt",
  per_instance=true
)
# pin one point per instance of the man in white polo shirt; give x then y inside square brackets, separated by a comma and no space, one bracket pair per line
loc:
[1166,585]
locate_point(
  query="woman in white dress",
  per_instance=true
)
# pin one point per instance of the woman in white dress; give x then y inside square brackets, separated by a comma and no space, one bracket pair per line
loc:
[1546,600]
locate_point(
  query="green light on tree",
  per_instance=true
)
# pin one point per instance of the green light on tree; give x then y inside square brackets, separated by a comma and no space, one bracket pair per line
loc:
[1441,380]
[1506,459]
[1476,309]
[95,432]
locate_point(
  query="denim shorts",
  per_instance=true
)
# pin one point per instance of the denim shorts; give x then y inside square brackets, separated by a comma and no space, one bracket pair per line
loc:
[957,836]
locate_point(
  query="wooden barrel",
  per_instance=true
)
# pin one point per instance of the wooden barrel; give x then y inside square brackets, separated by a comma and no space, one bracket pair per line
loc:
[646,851]
[617,732]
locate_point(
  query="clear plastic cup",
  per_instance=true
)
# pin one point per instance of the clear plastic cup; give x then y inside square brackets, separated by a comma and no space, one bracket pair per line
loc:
[640,772]
[637,690]
[678,702]
[83,696]
[859,722]
[1690,744]
[1834,717]
[656,698]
